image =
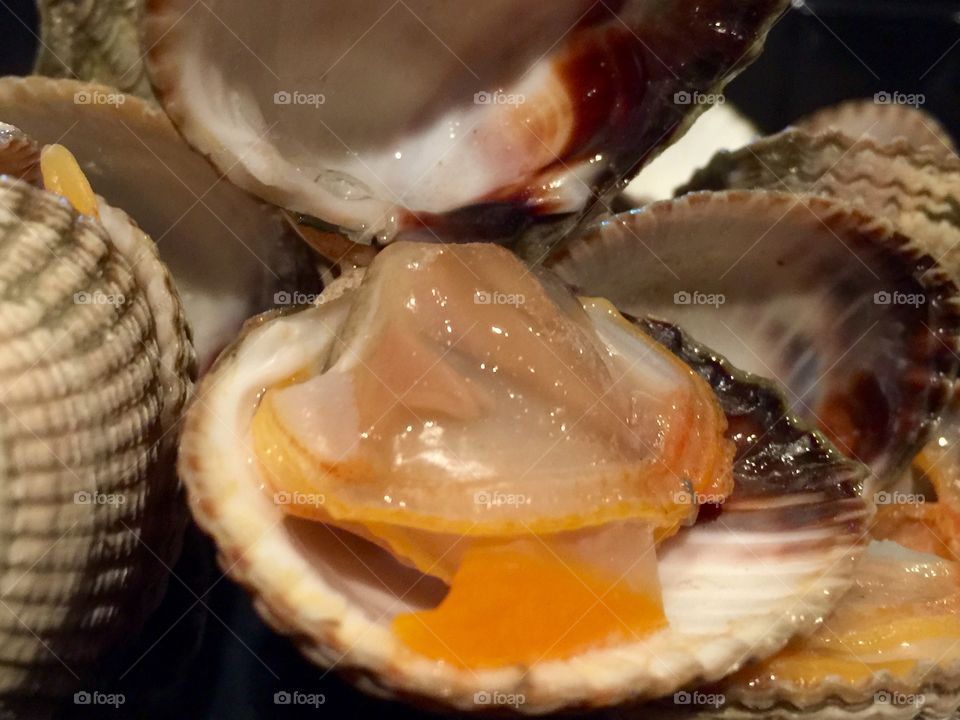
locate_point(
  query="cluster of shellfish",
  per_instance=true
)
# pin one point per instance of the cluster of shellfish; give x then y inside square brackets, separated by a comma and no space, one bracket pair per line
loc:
[489,439]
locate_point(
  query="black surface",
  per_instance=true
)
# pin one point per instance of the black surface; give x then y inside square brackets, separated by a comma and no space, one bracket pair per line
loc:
[830,50]
[838,50]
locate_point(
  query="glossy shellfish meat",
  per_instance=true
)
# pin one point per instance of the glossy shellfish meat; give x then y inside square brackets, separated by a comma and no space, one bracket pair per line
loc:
[272,482]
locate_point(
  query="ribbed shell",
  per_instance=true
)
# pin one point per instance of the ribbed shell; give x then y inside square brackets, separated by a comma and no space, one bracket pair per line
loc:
[95,366]
[804,290]
[97,40]
[885,119]
[770,566]
[918,190]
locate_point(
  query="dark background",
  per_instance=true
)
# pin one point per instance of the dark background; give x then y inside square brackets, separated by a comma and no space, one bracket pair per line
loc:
[225,664]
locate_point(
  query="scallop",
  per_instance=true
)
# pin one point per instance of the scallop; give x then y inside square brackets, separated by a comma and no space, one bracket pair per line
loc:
[889,649]
[885,118]
[230,255]
[857,322]
[915,188]
[517,123]
[95,367]
[434,475]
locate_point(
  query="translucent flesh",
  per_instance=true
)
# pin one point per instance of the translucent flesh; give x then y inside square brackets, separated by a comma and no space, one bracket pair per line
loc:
[477,423]
[466,398]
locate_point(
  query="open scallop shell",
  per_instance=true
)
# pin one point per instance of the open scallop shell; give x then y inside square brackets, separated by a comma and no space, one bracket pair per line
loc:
[421,117]
[735,586]
[928,690]
[916,189]
[884,119]
[227,251]
[854,320]
[95,366]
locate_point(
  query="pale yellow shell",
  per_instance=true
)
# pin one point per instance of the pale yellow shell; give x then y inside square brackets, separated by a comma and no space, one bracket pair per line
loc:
[95,366]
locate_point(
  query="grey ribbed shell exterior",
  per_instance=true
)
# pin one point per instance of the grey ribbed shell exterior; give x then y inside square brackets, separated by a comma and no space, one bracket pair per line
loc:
[93,373]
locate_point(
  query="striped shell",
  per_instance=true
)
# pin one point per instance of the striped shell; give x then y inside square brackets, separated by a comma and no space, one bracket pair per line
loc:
[855,321]
[923,686]
[918,190]
[95,366]
[97,41]
[884,120]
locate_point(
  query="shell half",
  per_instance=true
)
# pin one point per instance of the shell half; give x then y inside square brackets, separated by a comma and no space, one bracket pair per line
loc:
[735,586]
[95,367]
[228,253]
[914,188]
[514,118]
[883,120]
[855,321]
